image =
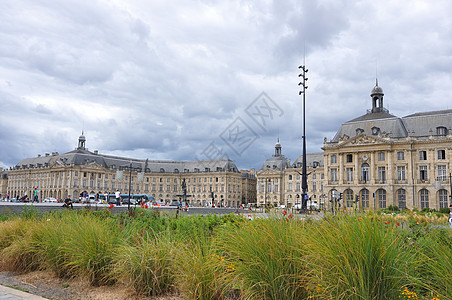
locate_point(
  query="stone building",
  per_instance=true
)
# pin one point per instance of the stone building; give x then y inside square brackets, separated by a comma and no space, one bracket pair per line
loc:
[279,181]
[377,159]
[58,175]
[3,183]
[248,186]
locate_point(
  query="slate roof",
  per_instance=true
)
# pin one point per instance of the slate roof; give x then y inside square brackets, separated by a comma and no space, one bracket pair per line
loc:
[383,124]
[81,157]
[310,159]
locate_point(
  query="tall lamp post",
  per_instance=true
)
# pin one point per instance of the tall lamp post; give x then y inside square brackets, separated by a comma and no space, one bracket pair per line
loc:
[450,182]
[304,181]
[130,182]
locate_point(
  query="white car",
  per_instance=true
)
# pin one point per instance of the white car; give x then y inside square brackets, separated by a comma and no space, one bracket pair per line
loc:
[50,199]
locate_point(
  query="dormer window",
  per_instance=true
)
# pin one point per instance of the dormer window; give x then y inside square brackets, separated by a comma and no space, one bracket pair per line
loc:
[359,131]
[375,130]
[162,170]
[441,130]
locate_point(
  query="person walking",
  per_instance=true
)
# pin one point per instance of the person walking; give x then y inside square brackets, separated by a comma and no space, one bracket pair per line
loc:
[118,198]
[36,195]
[450,215]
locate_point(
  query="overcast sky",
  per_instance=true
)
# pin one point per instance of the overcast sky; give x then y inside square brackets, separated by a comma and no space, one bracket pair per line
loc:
[185,80]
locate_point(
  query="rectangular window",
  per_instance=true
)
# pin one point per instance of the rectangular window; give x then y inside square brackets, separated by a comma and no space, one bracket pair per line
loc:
[423,175]
[333,159]
[290,187]
[422,155]
[441,154]
[381,174]
[400,155]
[334,175]
[442,174]
[349,173]
[349,158]
[381,156]
[401,173]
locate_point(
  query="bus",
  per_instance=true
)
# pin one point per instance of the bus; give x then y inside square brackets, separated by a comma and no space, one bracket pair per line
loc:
[135,198]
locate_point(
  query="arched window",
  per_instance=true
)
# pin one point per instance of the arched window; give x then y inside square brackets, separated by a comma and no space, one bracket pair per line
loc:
[365,198]
[401,198]
[442,195]
[365,177]
[424,199]
[349,198]
[381,194]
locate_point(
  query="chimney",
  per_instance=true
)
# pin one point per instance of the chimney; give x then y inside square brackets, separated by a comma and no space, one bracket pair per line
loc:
[39,155]
[96,152]
[47,154]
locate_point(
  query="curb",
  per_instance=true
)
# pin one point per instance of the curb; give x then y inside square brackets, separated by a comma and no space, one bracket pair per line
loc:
[16,294]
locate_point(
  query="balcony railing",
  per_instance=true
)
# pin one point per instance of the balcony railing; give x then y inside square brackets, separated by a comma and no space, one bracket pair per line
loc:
[442,179]
[380,181]
[332,181]
[400,181]
[423,181]
[363,181]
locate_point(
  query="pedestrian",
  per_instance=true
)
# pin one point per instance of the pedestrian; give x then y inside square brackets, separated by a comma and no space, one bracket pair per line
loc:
[450,215]
[118,197]
[36,195]
[68,202]
[106,197]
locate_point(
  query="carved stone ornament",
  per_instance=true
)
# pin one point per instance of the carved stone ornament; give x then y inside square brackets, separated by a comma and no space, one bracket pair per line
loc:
[344,138]
[363,140]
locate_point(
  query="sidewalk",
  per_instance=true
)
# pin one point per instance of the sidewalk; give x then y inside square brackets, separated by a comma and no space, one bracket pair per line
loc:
[13,294]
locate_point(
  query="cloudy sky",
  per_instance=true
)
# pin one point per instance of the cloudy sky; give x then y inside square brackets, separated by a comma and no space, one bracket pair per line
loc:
[185,80]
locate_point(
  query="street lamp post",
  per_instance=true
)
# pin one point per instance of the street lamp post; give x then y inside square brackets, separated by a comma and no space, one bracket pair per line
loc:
[304,182]
[130,182]
[450,182]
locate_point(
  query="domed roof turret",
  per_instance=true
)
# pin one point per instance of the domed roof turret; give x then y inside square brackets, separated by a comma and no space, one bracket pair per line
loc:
[377,90]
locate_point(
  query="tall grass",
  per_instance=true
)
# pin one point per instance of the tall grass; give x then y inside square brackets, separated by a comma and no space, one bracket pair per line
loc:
[228,257]
[147,265]
[197,274]
[264,258]
[432,274]
[357,258]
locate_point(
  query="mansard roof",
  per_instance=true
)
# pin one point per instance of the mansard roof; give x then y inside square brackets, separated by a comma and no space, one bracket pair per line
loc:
[380,123]
[82,157]
[312,158]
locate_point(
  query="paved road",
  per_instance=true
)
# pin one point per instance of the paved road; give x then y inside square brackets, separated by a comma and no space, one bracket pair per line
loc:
[13,294]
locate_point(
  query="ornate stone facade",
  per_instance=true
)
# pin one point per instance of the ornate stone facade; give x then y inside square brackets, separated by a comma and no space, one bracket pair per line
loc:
[279,181]
[378,159]
[80,170]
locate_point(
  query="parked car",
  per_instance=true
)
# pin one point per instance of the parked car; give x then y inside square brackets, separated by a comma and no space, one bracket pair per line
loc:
[51,200]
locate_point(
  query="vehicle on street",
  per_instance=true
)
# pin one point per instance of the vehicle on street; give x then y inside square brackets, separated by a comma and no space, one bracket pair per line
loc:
[51,200]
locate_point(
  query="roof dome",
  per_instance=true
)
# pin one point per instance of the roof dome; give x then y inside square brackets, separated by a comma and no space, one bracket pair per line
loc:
[377,89]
